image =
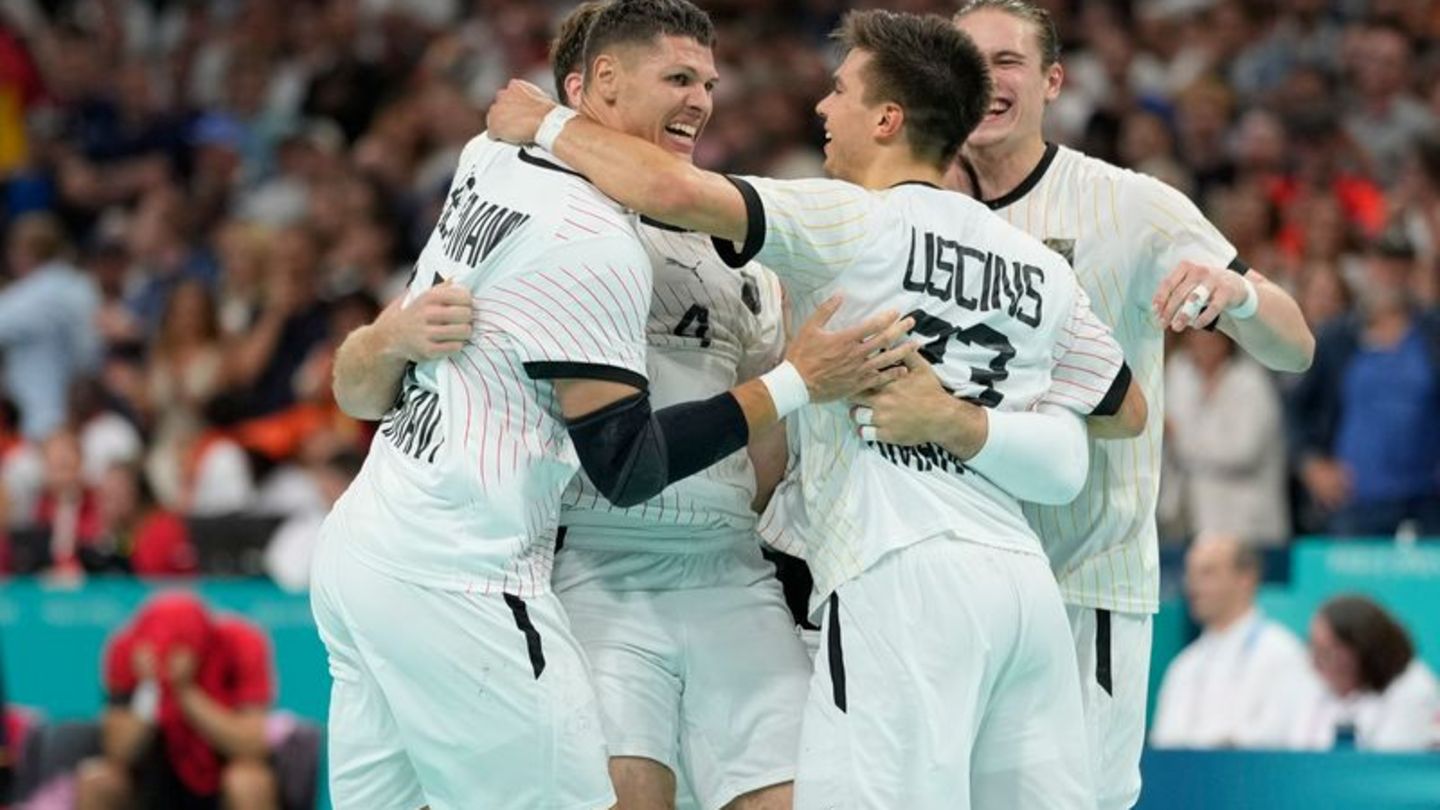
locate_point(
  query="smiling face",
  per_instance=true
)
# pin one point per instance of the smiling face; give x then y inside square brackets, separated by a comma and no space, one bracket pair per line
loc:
[662,92]
[1023,85]
[850,122]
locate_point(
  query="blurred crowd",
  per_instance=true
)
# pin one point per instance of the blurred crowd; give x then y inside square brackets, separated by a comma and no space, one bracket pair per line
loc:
[201,198]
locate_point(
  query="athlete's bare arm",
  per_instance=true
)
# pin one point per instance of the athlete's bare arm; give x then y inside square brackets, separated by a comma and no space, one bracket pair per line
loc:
[371,361]
[1276,335]
[1127,423]
[636,173]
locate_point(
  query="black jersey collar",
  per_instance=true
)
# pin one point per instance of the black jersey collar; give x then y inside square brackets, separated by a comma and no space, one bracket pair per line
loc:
[925,183]
[536,160]
[1031,180]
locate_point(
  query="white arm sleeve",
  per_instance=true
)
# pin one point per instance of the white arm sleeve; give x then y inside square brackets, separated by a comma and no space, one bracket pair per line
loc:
[1038,455]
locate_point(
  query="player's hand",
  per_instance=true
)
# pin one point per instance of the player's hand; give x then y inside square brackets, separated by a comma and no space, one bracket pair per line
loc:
[838,364]
[516,114]
[143,662]
[181,667]
[435,325]
[915,409]
[1188,283]
[1328,482]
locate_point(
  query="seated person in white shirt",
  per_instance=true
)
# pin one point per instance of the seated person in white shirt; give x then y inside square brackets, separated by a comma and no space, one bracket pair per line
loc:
[1235,685]
[1376,695]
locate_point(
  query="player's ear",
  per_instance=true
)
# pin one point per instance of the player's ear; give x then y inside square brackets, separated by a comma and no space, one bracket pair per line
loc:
[605,78]
[574,88]
[892,118]
[1054,79]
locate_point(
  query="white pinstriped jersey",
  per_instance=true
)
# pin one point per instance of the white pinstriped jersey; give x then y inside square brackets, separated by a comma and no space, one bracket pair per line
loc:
[1124,232]
[462,486]
[1008,327]
[710,327]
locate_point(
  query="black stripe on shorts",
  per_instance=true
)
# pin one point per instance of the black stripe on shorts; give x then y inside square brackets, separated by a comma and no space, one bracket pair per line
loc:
[834,653]
[532,636]
[1103,674]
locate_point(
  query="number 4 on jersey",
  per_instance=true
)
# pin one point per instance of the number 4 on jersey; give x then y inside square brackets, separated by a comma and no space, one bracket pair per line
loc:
[698,318]
[982,335]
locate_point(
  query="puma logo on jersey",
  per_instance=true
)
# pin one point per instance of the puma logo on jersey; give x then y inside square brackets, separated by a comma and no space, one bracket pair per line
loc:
[671,261]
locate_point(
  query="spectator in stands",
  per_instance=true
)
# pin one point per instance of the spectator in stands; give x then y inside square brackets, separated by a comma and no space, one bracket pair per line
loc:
[161,242]
[244,253]
[188,695]
[22,469]
[1386,117]
[288,556]
[1377,695]
[1224,417]
[1416,203]
[47,329]
[1328,166]
[186,370]
[264,360]
[1236,685]
[106,437]
[1322,294]
[68,511]
[143,538]
[1363,417]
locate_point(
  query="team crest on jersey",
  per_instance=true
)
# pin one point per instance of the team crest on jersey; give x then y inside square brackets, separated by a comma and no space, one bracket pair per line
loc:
[1065,247]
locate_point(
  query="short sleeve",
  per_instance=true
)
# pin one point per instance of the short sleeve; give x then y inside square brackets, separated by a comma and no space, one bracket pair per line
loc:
[254,680]
[1089,376]
[765,344]
[1174,230]
[807,231]
[117,670]
[579,311]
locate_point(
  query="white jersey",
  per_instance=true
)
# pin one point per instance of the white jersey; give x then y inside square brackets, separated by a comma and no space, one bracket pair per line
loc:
[1123,232]
[1240,687]
[711,327]
[462,486]
[1007,327]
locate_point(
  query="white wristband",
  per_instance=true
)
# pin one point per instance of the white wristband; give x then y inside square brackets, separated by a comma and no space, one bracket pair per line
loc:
[145,702]
[787,389]
[1248,307]
[550,126]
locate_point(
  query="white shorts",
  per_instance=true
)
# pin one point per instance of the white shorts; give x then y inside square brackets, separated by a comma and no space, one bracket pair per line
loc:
[709,682]
[945,679]
[450,699]
[1113,650]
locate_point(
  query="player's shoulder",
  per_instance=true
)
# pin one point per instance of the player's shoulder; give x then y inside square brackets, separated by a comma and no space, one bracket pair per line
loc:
[241,635]
[1087,169]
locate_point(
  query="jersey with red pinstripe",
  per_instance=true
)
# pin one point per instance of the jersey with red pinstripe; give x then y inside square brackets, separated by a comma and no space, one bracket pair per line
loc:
[710,327]
[462,486]
[1006,325]
[1124,232]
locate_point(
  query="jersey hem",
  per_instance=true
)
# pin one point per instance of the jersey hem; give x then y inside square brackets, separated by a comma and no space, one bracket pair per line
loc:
[482,584]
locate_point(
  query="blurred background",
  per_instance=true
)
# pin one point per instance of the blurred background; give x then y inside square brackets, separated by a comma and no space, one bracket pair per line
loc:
[198,200]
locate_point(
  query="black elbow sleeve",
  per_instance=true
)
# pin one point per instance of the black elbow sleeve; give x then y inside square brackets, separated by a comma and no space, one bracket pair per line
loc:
[631,453]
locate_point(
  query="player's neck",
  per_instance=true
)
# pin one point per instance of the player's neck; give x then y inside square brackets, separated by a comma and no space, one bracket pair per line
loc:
[1230,619]
[1003,167]
[895,166]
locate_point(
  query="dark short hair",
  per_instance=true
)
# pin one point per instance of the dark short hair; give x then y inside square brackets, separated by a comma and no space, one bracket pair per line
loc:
[928,67]
[641,22]
[1380,644]
[567,49]
[1049,38]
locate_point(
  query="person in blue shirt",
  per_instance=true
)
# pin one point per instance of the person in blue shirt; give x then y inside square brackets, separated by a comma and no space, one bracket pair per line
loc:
[1363,419]
[47,323]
